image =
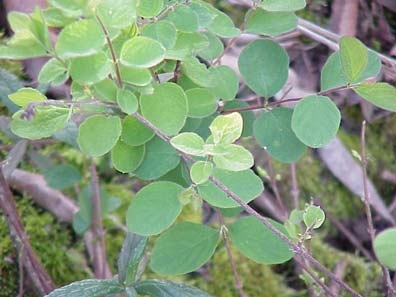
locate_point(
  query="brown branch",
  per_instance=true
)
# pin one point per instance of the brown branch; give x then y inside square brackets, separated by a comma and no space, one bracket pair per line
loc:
[36,272]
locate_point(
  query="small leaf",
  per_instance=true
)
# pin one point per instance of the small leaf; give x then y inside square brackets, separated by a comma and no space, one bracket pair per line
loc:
[201,102]
[226,129]
[257,242]
[91,69]
[354,57]
[385,246]
[154,208]
[142,52]
[127,158]
[62,176]
[162,31]
[53,72]
[226,84]
[166,288]
[282,5]
[173,249]
[184,18]
[80,38]
[135,76]
[264,66]
[189,143]
[214,48]
[131,253]
[127,101]
[149,8]
[69,6]
[200,171]
[313,216]
[25,96]
[232,157]
[89,288]
[134,133]
[98,134]
[315,120]
[223,26]
[197,72]
[117,13]
[273,132]
[380,94]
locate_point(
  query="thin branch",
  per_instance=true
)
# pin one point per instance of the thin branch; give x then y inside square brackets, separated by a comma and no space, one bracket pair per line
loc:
[295,192]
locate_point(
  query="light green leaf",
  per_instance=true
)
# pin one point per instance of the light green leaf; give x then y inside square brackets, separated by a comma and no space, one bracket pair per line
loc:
[162,31]
[134,133]
[226,84]
[41,122]
[226,129]
[385,247]
[270,23]
[232,157]
[172,250]
[315,120]
[166,288]
[57,18]
[245,184]
[273,132]
[53,72]
[354,57]
[154,208]
[205,12]
[149,8]
[126,158]
[200,171]
[380,94]
[214,49]
[90,69]
[166,108]
[25,96]
[127,101]
[186,45]
[62,176]
[80,38]
[264,66]
[257,242]
[98,134]
[282,5]
[313,216]
[73,7]
[142,52]
[117,13]
[201,102]
[89,288]
[223,26]
[197,72]
[106,90]
[189,143]
[248,116]
[184,18]
[135,76]
[160,158]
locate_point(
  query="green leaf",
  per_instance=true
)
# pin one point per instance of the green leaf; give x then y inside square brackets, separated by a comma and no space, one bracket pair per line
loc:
[186,45]
[282,5]
[135,76]
[80,38]
[226,129]
[248,116]
[385,246]
[270,23]
[333,76]
[127,101]
[62,176]
[313,216]
[160,158]
[244,184]
[45,121]
[55,17]
[132,252]
[53,72]
[184,18]
[117,13]
[201,102]
[74,7]
[200,172]
[142,52]
[380,94]
[91,69]
[232,157]
[226,84]
[257,242]
[264,66]
[162,31]
[25,96]
[134,133]
[149,8]
[205,13]
[197,72]
[166,288]
[173,249]
[89,288]
[127,158]
[189,143]
[106,90]
[214,49]
[223,26]
[315,120]
[166,108]
[154,208]
[9,83]
[354,57]
[98,134]
[273,132]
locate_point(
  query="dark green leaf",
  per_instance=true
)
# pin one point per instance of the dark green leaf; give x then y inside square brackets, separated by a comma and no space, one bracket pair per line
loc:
[226,84]
[201,102]
[89,288]
[385,246]
[62,176]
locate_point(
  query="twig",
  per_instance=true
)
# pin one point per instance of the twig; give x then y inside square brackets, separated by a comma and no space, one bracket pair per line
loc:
[295,192]
[366,200]
[34,268]
[99,249]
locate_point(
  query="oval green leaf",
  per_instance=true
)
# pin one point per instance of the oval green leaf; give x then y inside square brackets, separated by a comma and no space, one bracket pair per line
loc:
[126,158]
[162,31]
[136,76]
[184,19]
[226,84]
[200,171]
[380,94]
[226,129]
[172,250]
[149,8]
[354,57]
[313,216]
[232,157]
[117,13]
[25,96]
[201,102]
[134,133]
[385,247]
[127,101]
[91,69]
[315,120]
[53,72]
[189,143]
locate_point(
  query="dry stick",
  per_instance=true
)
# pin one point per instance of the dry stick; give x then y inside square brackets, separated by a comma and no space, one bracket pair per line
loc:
[366,200]
[98,244]
[35,270]
[237,281]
